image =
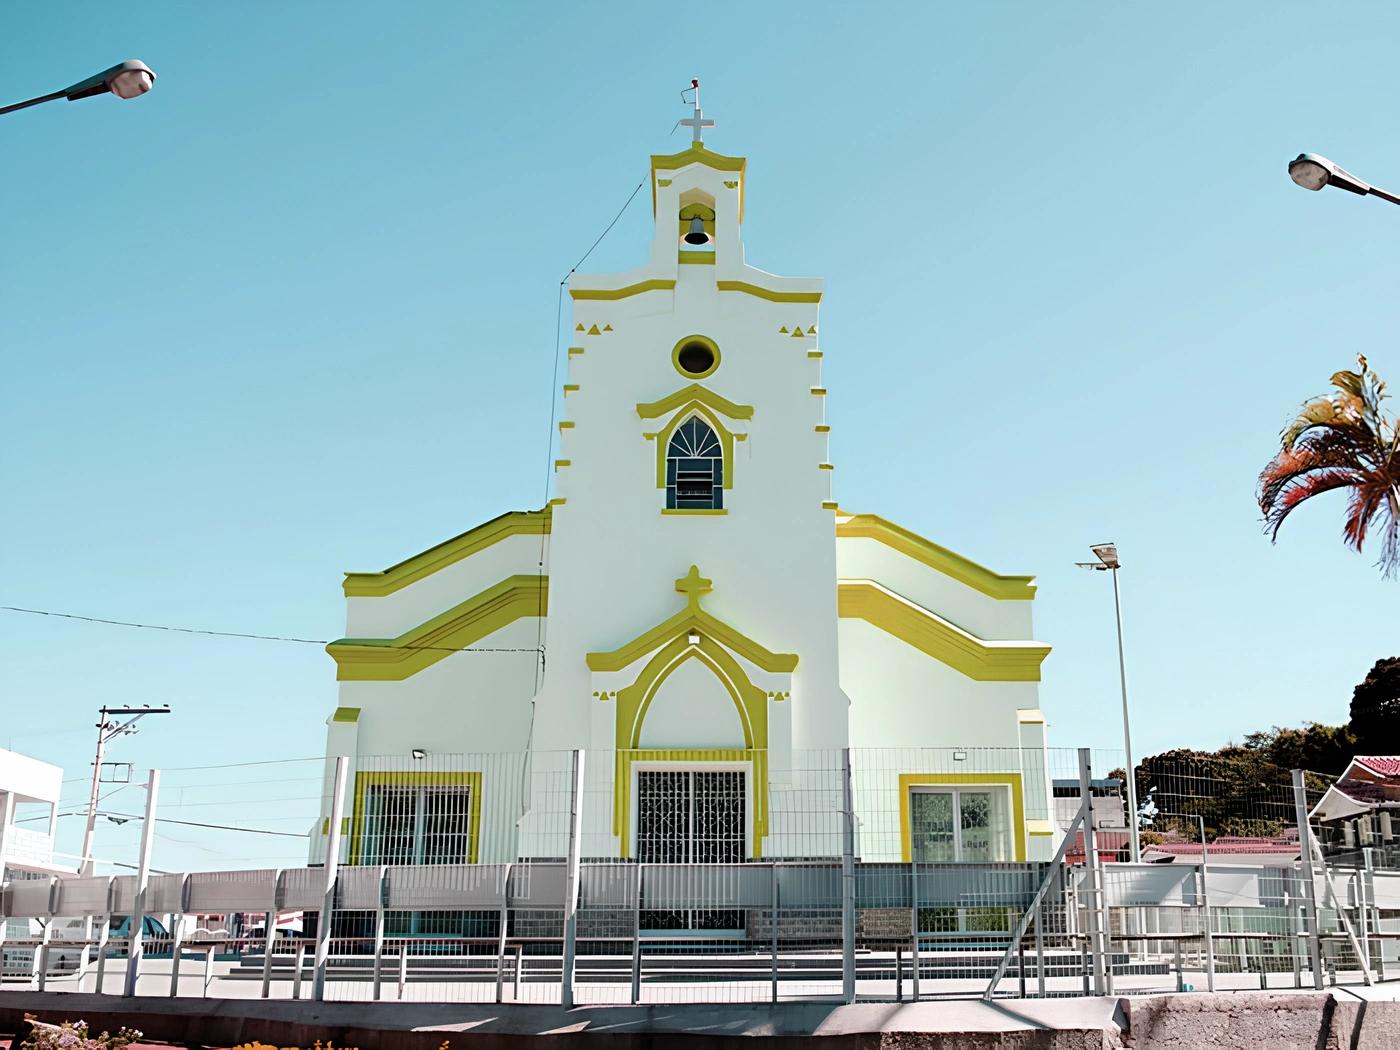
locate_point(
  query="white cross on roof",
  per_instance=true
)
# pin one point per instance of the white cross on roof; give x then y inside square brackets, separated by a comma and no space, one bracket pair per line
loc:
[698,122]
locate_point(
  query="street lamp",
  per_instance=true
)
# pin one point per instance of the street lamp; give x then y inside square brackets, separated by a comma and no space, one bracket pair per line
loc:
[127,79]
[1313,171]
[1107,553]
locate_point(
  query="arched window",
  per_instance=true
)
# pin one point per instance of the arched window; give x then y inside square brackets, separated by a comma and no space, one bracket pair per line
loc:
[694,468]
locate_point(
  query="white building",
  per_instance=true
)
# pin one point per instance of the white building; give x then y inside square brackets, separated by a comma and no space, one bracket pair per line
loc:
[29,792]
[715,628]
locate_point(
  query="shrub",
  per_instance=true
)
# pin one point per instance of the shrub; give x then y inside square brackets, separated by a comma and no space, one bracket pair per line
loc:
[73,1035]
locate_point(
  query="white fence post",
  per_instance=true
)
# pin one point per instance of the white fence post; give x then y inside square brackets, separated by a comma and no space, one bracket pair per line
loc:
[1094,910]
[177,937]
[1370,882]
[104,930]
[1308,874]
[571,880]
[323,925]
[382,883]
[143,877]
[270,934]
[848,881]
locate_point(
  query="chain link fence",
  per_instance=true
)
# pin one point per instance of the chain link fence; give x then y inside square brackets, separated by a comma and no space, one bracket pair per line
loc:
[656,876]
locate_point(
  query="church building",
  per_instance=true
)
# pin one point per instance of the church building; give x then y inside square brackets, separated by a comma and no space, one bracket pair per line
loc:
[694,610]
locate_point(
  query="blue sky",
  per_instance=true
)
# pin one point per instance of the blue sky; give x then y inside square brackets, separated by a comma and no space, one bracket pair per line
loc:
[291,314]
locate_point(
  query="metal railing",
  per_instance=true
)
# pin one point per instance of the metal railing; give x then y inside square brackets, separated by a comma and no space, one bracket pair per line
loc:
[858,892]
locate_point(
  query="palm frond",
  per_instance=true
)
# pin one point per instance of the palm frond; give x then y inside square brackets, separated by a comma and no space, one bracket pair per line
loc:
[1341,441]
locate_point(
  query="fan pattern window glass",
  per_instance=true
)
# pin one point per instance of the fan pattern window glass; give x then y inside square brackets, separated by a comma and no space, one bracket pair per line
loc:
[690,817]
[694,468]
[416,824]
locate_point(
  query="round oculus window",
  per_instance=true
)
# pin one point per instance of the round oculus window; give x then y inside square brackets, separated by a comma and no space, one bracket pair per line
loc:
[696,358]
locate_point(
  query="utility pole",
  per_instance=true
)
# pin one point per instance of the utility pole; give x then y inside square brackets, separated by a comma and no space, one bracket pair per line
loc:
[108,730]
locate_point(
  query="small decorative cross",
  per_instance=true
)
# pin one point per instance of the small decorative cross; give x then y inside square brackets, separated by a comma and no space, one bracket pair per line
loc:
[697,123]
[693,585]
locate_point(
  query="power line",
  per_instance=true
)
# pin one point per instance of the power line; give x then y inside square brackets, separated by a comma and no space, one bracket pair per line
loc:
[251,636]
[217,827]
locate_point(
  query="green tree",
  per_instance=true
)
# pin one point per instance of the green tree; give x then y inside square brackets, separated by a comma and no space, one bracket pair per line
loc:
[1343,441]
[1315,747]
[1375,709]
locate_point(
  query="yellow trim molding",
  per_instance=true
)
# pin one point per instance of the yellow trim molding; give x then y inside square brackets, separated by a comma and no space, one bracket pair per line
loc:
[1009,780]
[815,355]
[726,440]
[394,659]
[822,428]
[470,780]
[768,293]
[704,341]
[982,661]
[826,466]
[346,714]
[570,388]
[449,552]
[694,392]
[575,351]
[941,559]
[562,463]
[830,504]
[696,154]
[692,617]
[695,258]
[656,284]
[819,391]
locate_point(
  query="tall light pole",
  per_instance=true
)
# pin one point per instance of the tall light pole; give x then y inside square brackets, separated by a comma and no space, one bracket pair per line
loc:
[1107,553]
[108,730]
[1313,171]
[128,79]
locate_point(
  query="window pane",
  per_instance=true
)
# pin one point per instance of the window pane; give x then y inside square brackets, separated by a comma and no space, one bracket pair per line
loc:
[985,831]
[663,817]
[931,826]
[719,817]
[389,819]
[446,825]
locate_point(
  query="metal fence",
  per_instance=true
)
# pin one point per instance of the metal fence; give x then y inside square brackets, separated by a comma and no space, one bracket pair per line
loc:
[660,877]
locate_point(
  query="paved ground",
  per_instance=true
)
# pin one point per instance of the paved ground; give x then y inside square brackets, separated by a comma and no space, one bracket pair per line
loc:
[1360,1019]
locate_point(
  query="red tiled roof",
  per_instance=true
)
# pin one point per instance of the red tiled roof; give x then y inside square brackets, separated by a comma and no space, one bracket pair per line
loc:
[1222,847]
[1381,765]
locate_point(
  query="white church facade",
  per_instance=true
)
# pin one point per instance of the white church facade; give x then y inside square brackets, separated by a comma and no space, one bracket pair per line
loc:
[693,610]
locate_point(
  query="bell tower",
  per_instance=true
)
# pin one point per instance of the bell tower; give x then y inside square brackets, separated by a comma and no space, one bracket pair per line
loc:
[695,436]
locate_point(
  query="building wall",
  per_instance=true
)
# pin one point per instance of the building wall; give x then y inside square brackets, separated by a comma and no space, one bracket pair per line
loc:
[772,560]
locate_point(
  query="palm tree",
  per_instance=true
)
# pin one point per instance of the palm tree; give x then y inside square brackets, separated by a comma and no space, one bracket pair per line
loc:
[1342,441]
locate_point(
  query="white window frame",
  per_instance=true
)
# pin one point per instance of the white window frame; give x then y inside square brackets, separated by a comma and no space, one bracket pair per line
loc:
[634,793]
[956,790]
[420,798]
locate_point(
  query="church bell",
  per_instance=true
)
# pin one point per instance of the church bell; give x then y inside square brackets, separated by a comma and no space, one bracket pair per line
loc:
[696,234]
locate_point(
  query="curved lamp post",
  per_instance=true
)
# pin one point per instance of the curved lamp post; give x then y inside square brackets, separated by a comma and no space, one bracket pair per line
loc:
[127,79]
[1107,553]
[1313,171]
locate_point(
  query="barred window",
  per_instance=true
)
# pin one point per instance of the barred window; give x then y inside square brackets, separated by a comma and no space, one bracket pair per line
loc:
[694,468]
[416,824]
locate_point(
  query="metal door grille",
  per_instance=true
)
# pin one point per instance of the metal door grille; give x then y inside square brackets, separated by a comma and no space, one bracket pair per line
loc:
[691,817]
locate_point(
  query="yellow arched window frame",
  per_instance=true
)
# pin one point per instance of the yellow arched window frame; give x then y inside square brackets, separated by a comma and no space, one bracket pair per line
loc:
[699,401]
